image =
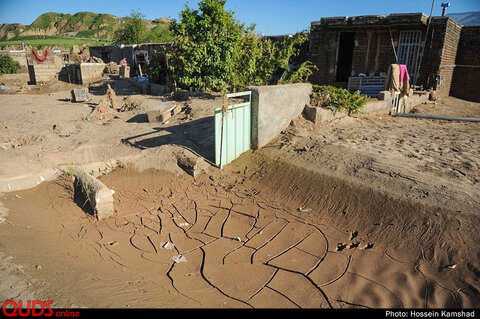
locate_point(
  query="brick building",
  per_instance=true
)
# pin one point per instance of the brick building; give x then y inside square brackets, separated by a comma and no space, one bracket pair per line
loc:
[466,75]
[342,47]
[134,54]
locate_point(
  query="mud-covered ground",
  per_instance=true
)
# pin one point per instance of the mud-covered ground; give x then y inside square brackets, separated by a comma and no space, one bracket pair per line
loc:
[269,236]
[365,211]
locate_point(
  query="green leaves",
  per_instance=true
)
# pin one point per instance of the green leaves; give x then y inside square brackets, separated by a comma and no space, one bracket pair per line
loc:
[215,52]
[136,31]
[334,97]
[8,65]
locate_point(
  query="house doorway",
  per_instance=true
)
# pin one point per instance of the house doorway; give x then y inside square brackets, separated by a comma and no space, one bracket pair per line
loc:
[345,55]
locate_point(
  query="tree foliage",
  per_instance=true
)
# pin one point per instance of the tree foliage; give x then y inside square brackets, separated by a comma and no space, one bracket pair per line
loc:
[8,65]
[135,30]
[213,51]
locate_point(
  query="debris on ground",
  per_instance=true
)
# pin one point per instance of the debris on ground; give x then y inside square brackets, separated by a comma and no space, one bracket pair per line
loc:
[163,112]
[112,97]
[80,95]
[179,259]
[129,104]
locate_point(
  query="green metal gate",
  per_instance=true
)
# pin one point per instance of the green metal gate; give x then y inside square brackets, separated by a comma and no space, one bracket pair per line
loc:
[232,129]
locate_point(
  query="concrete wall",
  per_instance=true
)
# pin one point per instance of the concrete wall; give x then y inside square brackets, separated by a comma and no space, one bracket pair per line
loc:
[273,107]
[466,75]
[90,72]
[46,70]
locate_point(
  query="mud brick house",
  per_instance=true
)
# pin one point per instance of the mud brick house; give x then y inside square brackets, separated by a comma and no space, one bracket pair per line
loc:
[344,47]
[135,54]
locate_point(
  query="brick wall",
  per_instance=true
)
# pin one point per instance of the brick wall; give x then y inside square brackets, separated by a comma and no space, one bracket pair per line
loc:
[466,75]
[445,40]
[373,51]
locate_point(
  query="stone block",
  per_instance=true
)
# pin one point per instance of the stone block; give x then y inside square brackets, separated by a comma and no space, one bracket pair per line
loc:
[384,95]
[80,95]
[99,196]
[319,114]
[161,113]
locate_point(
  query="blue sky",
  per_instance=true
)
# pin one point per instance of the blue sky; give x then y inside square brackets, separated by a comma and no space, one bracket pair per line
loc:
[271,16]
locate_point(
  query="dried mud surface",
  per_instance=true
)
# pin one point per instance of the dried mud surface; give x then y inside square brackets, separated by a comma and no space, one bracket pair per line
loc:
[260,234]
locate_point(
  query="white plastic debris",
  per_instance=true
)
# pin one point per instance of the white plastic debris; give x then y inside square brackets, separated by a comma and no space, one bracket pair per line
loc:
[183,224]
[179,259]
[113,192]
[168,245]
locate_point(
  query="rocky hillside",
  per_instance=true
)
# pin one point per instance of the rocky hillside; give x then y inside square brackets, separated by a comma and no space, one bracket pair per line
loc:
[79,25]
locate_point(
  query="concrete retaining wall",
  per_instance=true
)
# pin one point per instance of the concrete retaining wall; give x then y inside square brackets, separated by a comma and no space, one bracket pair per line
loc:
[384,103]
[273,107]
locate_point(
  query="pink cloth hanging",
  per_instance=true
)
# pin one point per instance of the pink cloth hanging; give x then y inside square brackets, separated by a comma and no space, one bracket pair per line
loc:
[403,73]
[404,79]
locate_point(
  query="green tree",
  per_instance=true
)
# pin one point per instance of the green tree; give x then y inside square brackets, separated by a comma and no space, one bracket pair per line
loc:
[206,46]
[213,51]
[133,31]
[8,65]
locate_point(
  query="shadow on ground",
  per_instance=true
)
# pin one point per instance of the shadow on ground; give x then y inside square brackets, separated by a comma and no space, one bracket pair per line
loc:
[198,135]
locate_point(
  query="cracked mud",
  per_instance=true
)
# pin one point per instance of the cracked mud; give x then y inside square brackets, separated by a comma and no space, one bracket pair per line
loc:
[221,241]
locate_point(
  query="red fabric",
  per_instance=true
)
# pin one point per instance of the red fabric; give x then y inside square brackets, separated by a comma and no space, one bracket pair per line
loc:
[40,59]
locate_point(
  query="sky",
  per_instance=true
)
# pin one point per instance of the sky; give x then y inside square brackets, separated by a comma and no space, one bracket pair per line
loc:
[272,17]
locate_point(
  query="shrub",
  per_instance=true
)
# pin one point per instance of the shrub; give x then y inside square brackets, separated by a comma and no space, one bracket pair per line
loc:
[337,98]
[8,65]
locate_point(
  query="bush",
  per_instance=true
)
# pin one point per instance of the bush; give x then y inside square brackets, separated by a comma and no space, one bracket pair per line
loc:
[8,65]
[337,98]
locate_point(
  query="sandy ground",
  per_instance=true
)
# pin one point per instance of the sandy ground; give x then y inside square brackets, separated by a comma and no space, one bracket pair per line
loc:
[367,211]
[433,162]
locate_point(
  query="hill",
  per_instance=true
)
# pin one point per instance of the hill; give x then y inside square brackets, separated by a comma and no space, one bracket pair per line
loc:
[466,18]
[81,27]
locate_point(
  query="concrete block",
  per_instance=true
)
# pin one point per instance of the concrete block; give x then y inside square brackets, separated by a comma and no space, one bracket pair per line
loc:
[161,113]
[384,95]
[80,95]
[273,107]
[99,196]
[191,163]
[319,114]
